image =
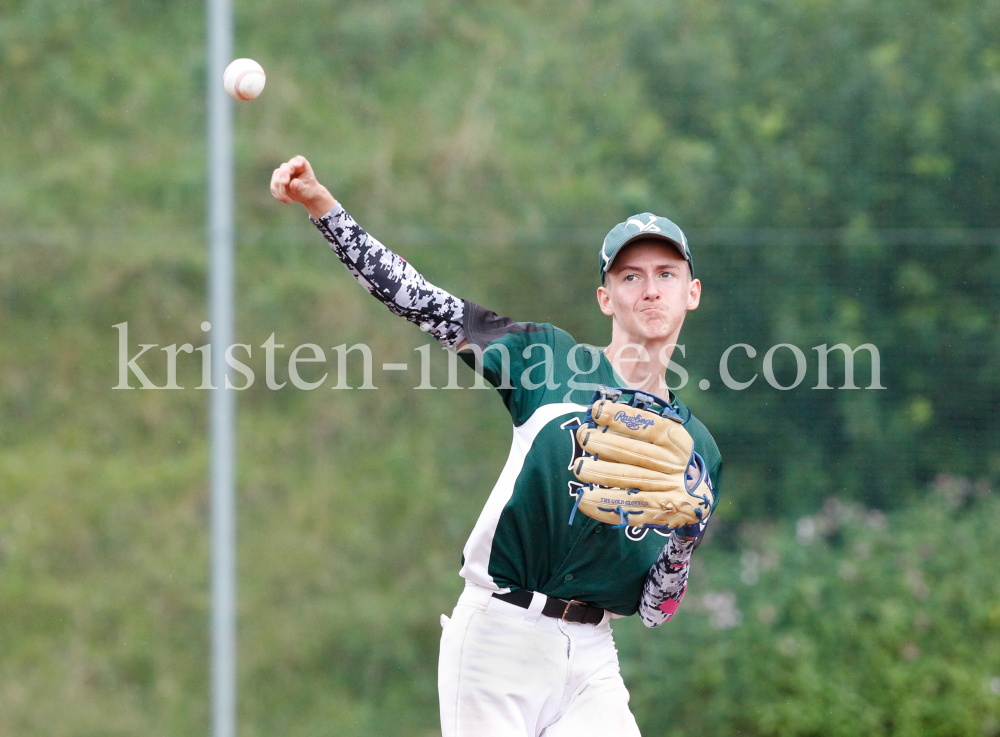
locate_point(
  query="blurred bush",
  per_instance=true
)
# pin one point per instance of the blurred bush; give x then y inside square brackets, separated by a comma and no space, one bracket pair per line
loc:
[848,622]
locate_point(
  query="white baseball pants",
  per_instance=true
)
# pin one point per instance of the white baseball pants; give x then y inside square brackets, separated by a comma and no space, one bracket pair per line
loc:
[505,671]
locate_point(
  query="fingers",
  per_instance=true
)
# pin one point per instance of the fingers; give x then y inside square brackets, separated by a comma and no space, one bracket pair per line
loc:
[286,179]
[279,183]
[294,181]
[298,168]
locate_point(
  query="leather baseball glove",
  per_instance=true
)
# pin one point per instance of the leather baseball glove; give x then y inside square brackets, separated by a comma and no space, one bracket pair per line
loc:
[641,469]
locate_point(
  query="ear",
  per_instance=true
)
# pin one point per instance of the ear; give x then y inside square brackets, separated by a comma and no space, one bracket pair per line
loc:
[604,300]
[694,294]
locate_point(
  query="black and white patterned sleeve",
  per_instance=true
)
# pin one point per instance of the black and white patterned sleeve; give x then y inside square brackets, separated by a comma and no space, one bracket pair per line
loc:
[666,581]
[390,279]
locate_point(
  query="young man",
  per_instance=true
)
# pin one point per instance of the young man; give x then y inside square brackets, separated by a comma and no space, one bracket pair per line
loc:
[528,650]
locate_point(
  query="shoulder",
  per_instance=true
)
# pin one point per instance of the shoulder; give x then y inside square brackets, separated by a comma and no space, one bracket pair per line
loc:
[483,326]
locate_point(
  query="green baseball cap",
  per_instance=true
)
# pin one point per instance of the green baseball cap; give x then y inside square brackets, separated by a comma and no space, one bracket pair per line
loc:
[646,225]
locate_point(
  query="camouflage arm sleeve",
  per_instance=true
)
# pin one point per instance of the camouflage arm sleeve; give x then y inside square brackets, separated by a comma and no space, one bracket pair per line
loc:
[666,582]
[391,280]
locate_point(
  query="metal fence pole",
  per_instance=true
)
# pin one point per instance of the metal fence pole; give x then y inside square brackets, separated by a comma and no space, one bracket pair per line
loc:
[222,403]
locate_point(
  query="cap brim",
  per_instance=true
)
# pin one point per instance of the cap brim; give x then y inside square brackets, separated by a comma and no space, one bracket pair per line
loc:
[640,236]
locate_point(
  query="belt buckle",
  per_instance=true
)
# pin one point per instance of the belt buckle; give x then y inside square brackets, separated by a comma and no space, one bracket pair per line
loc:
[569,605]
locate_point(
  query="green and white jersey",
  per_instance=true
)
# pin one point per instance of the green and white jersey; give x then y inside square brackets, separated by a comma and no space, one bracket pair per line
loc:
[523,539]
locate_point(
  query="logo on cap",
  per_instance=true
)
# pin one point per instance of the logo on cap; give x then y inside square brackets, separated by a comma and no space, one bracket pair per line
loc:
[644,227]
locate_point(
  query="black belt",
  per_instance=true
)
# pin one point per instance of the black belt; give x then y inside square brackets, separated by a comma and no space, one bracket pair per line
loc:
[567,611]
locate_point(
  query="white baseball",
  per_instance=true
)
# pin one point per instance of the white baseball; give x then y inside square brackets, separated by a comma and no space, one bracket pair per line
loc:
[244,79]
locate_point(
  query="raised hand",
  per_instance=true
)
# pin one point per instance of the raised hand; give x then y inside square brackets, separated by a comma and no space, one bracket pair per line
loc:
[295,181]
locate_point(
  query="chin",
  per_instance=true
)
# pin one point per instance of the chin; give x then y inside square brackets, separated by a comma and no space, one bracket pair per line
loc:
[656,331]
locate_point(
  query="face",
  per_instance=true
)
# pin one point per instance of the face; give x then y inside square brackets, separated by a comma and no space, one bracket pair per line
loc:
[649,290]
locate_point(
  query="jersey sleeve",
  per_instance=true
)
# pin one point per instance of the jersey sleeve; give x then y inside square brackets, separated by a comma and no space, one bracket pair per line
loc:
[705,444]
[517,358]
[715,476]
[390,279]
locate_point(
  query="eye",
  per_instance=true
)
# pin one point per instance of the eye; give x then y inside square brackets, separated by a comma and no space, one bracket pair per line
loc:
[631,277]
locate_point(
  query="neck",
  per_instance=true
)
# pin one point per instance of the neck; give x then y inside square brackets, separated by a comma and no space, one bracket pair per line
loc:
[641,362]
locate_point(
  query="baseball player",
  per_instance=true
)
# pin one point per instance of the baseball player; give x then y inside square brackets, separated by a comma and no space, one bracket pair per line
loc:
[528,649]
